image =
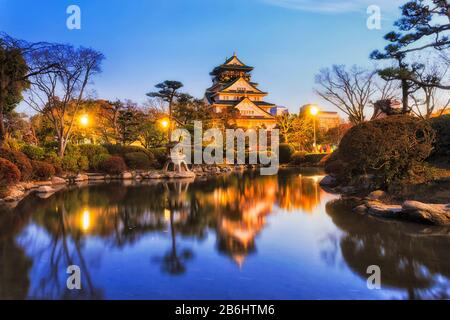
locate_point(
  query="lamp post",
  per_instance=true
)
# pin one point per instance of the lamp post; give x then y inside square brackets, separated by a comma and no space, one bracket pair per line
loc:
[314,111]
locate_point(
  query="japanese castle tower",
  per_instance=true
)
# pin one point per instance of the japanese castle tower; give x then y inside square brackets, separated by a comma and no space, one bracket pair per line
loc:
[232,87]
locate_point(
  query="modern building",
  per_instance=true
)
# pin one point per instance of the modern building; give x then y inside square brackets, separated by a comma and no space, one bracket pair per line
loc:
[233,89]
[326,120]
[279,111]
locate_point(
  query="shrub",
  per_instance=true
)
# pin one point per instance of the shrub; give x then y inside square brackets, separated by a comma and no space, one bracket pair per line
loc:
[42,170]
[138,160]
[116,149]
[97,160]
[388,148]
[441,126]
[9,173]
[52,158]
[160,156]
[73,160]
[20,160]
[114,165]
[286,152]
[95,154]
[315,158]
[298,157]
[33,152]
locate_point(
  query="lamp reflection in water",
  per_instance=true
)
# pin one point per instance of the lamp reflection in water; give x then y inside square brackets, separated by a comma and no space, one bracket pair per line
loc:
[85,220]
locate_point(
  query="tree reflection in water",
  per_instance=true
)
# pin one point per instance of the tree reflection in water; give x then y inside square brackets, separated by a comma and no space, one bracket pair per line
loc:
[41,237]
[177,203]
[411,257]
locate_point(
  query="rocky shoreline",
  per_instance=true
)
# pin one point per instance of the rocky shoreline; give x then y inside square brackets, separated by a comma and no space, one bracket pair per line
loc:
[379,204]
[45,189]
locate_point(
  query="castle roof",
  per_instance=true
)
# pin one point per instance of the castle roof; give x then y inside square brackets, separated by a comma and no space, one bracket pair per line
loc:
[232,63]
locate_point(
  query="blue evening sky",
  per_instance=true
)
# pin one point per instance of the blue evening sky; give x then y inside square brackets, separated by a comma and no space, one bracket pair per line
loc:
[147,41]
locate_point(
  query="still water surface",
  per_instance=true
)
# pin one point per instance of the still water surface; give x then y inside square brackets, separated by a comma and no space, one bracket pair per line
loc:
[243,236]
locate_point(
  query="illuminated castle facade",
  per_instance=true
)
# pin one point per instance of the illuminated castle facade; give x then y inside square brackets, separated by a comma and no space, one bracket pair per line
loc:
[233,90]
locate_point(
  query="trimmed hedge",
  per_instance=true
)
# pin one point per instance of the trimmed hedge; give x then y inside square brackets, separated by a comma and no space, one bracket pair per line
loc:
[114,165]
[33,152]
[9,173]
[285,153]
[95,154]
[441,126]
[298,157]
[42,170]
[138,161]
[73,160]
[388,148]
[117,149]
[20,160]
[160,155]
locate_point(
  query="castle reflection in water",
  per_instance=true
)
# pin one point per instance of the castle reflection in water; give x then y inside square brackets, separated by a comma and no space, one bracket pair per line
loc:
[171,223]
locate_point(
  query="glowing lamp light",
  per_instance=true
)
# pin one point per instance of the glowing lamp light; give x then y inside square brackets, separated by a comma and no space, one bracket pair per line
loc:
[84,120]
[165,123]
[314,111]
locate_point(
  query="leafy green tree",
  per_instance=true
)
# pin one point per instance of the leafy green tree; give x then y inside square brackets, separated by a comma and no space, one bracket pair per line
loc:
[285,123]
[129,121]
[151,135]
[13,73]
[188,109]
[168,92]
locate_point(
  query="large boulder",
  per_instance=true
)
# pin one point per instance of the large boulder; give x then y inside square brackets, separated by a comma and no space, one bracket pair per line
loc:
[14,193]
[380,209]
[437,214]
[328,181]
[45,189]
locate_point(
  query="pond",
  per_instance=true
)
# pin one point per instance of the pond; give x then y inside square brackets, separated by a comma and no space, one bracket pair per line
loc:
[241,236]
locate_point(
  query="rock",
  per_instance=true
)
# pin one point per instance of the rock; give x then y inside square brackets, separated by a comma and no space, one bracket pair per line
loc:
[328,181]
[437,214]
[138,177]
[380,209]
[81,177]
[45,189]
[155,175]
[376,195]
[169,175]
[97,177]
[42,183]
[15,193]
[348,189]
[58,181]
[187,174]
[127,176]
[361,209]
[28,185]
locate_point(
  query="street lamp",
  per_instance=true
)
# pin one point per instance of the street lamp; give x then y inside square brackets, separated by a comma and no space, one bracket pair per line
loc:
[314,111]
